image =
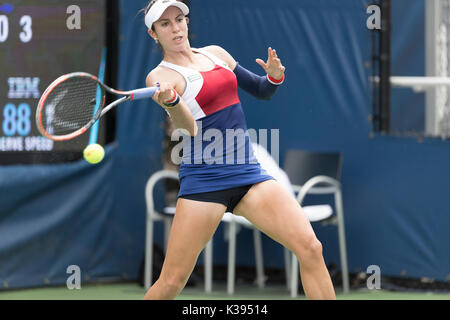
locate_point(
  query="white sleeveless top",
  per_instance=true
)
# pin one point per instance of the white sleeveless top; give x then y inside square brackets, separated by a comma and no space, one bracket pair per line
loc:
[194,81]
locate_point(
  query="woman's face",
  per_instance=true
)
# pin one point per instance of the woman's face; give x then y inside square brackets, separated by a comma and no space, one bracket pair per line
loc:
[171,29]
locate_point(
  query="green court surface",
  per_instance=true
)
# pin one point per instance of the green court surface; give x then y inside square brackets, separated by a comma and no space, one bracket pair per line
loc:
[132,291]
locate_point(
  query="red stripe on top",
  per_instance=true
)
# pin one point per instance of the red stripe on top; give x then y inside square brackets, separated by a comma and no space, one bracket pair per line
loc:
[220,90]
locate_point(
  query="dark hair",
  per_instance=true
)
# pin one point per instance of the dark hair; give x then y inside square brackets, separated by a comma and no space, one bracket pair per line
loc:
[147,9]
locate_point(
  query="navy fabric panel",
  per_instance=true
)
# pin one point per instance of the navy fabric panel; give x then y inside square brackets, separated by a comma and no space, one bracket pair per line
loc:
[397,207]
[212,135]
[55,216]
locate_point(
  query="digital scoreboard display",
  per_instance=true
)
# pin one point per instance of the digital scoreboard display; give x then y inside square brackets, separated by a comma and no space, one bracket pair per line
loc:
[40,40]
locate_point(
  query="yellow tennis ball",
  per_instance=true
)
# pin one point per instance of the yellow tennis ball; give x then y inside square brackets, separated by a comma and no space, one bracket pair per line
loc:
[94,153]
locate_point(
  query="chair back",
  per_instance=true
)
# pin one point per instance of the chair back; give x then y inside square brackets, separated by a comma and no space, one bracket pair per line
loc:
[150,186]
[302,165]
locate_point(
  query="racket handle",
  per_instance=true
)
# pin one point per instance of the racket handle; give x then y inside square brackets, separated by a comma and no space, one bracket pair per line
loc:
[143,93]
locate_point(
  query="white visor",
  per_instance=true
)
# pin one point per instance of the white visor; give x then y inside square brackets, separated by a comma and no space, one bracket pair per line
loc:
[157,10]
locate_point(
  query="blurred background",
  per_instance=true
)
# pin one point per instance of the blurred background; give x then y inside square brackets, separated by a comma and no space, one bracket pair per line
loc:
[57,210]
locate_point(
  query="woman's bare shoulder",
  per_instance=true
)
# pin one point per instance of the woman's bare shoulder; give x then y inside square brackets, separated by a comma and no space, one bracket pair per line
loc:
[222,54]
[162,74]
[154,75]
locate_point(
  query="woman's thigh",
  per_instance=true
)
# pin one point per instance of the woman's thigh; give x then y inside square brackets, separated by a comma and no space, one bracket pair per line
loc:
[193,226]
[274,211]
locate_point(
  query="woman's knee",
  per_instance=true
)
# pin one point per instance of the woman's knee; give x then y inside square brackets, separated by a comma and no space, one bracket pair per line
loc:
[309,249]
[175,281]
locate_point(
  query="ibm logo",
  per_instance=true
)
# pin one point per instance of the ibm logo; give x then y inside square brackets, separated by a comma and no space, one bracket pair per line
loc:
[23,88]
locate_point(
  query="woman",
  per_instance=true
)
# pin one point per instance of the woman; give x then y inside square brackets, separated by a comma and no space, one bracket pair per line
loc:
[198,89]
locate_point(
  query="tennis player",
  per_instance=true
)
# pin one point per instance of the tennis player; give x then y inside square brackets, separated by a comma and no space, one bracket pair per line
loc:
[199,91]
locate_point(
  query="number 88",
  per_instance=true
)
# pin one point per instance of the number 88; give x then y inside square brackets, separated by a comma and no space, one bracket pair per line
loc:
[16,121]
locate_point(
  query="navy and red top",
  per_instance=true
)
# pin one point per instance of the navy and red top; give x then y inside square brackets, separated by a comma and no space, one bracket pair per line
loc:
[221,155]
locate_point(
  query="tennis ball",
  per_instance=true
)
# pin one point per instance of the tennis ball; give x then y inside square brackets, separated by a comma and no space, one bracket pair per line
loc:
[94,153]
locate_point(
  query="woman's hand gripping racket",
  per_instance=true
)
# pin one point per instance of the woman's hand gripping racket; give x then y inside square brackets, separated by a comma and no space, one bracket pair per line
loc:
[71,105]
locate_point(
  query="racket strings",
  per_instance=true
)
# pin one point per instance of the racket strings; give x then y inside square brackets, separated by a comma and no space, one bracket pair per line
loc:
[71,105]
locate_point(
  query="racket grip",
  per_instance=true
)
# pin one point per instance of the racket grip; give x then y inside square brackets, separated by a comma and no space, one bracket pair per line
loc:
[143,93]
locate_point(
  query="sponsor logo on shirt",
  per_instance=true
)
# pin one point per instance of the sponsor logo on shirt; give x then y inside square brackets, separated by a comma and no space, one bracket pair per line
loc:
[194,77]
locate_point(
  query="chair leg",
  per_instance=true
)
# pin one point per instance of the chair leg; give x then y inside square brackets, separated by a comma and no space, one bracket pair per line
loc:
[148,254]
[259,258]
[342,242]
[287,267]
[294,276]
[231,257]
[208,266]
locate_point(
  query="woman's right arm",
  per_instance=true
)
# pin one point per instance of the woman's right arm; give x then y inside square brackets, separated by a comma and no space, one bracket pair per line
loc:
[180,114]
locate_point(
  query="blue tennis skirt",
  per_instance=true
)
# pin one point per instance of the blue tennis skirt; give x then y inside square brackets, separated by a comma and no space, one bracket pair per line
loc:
[215,177]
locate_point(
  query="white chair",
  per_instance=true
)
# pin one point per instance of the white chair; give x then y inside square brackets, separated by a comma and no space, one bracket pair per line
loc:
[317,173]
[167,215]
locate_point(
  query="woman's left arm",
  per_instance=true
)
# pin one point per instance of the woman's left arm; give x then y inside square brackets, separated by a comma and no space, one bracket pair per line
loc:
[261,87]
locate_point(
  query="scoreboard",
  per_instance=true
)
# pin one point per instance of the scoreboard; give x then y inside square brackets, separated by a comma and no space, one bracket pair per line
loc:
[40,41]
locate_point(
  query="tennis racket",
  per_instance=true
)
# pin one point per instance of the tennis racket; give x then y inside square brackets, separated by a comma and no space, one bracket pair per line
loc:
[68,107]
